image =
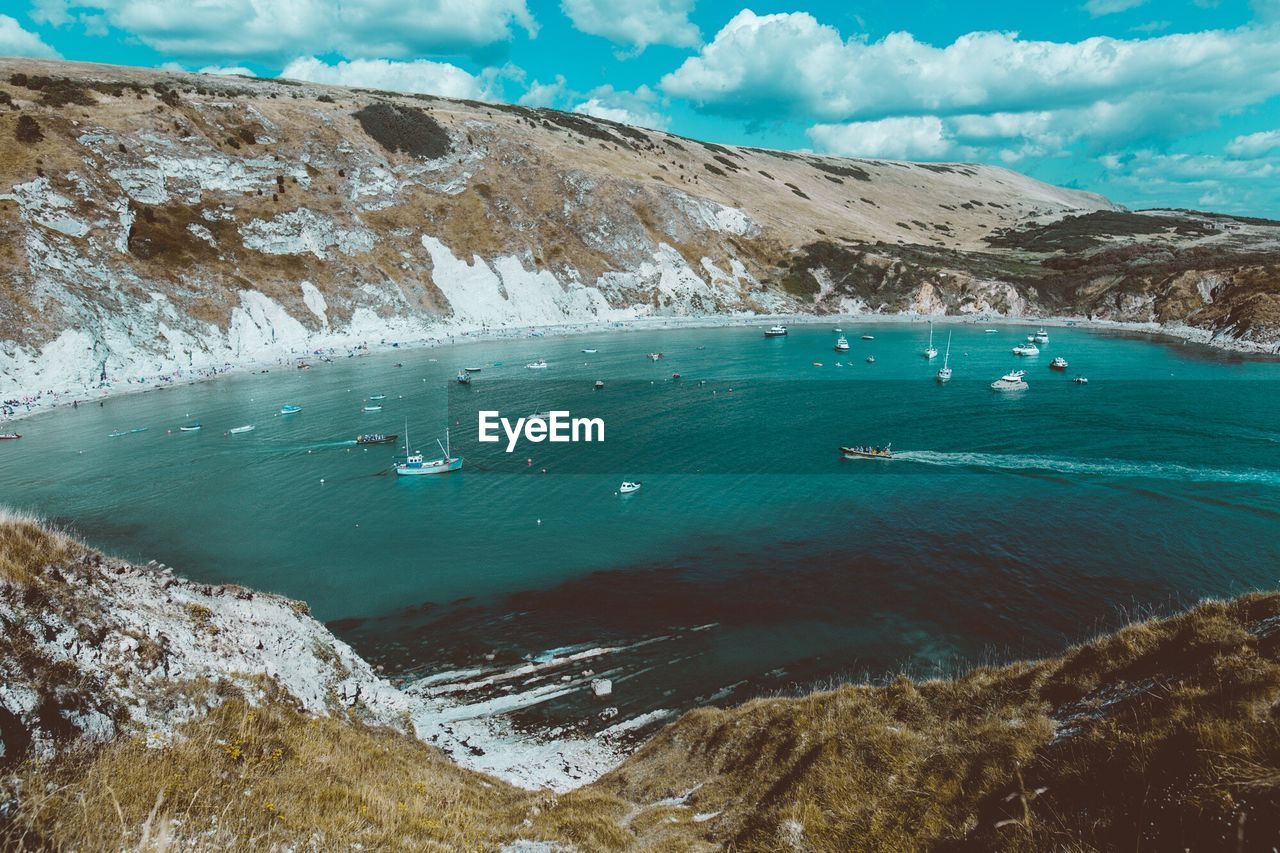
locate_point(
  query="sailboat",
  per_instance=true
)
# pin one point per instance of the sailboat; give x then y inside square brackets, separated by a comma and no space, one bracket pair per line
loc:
[415,463]
[944,375]
[931,351]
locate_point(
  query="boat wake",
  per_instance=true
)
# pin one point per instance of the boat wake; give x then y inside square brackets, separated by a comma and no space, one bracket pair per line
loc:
[1100,467]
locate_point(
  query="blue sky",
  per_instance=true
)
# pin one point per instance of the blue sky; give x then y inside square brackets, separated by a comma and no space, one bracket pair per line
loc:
[1151,103]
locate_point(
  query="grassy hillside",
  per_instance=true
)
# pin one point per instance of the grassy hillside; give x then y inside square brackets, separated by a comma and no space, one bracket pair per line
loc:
[1160,736]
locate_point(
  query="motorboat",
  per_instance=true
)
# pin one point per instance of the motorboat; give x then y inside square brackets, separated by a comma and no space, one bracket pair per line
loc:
[290,410]
[599,384]
[376,438]
[1027,349]
[1041,336]
[871,359]
[378,397]
[1080,380]
[842,344]
[190,428]
[930,351]
[240,429]
[1059,363]
[540,364]
[989,331]
[867,452]
[628,487]
[116,433]
[538,416]
[1011,381]
[775,332]
[463,377]
[944,374]
[10,436]
[653,356]
[415,463]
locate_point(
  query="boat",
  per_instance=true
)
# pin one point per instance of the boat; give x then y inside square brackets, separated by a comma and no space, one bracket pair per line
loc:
[240,429]
[415,463]
[373,408]
[868,337]
[116,433]
[930,351]
[376,438]
[190,428]
[10,436]
[653,356]
[989,331]
[628,487]
[599,384]
[1041,336]
[538,416]
[1011,381]
[472,369]
[540,364]
[675,376]
[290,410]
[463,377]
[867,452]
[944,374]
[302,365]
[871,359]
[1059,363]
[1080,380]
[775,332]
[1026,349]
[842,344]
[590,351]
[138,429]
[378,397]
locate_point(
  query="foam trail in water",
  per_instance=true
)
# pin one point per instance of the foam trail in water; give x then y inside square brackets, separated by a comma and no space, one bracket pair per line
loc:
[1101,467]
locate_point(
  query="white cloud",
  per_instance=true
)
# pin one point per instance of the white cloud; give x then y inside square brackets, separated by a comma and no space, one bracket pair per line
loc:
[638,108]
[903,138]
[272,29]
[636,24]
[419,75]
[543,94]
[227,71]
[15,41]
[1247,186]
[1097,8]
[1254,144]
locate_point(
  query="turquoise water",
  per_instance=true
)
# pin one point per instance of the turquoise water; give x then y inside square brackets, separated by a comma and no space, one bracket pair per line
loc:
[753,557]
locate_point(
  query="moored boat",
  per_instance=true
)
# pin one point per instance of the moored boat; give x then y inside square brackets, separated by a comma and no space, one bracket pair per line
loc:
[1059,363]
[599,384]
[191,428]
[1041,336]
[1027,349]
[463,378]
[116,433]
[1011,381]
[865,451]
[240,429]
[472,369]
[930,352]
[374,408]
[944,374]
[590,351]
[378,397]
[540,364]
[868,337]
[10,436]
[1080,380]
[628,487]
[290,409]
[653,356]
[415,463]
[871,359]
[842,344]
[775,332]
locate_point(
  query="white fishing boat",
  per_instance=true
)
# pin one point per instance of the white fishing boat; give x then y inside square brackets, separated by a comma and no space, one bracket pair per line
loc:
[1059,363]
[944,374]
[775,332]
[628,487]
[540,364]
[1027,349]
[842,344]
[240,429]
[930,351]
[415,463]
[1011,381]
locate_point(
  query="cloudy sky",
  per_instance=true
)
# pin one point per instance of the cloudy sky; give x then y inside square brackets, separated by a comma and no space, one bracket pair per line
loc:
[1152,102]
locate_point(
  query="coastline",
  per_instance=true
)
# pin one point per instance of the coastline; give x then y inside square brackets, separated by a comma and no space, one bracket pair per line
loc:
[343,344]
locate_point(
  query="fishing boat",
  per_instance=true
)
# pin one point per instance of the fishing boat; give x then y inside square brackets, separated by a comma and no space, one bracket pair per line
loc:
[1059,363]
[867,452]
[191,428]
[842,344]
[540,364]
[240,429]
[1026,349]
[415,463]
[1041,336]
[290,409]
[463,377]
[930,351]
[376,438]
[1080,380]
[599,384]
[472,369]
[1011,381]
[944,374]
[374,408]
[10,436]
[775,332]
[628,487]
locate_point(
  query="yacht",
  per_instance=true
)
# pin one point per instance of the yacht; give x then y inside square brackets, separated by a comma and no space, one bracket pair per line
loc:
[1011,381]
[930,351]
[944,375]
[1026,349]
[775,332]
[628,487]
[1041,336]
[415,463]
[842,344]
[1059,363]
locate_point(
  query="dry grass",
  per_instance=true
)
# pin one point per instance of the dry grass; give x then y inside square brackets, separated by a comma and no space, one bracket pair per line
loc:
[27,546]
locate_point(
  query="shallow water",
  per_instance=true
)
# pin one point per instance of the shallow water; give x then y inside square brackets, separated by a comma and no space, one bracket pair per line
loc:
[753,557]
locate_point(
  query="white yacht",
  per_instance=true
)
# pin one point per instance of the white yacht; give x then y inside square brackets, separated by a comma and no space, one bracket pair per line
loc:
[628,487]
[1011,381]
[931,351]
[1059,363]
[842,344]
[944,374]
[775,332]
[1041,336]
[1026,349]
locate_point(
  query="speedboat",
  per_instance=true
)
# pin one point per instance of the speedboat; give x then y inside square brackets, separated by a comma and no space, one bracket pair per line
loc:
[599,384]
[1080,380]
[463,377]
[628,487]
[1026,349]
[1059,363]
[1041,336]
[1011,381]
[10,436]
[867,452]
[290,410]
[190,428]
[775,332]
[837,330]
[842,344]
[871,359]
[930,351]
[415,463]
[374,408]
[540,364]
[240,429]
[376,438]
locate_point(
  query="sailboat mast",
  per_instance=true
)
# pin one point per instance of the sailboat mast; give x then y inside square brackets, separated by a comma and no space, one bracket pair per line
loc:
[946,357]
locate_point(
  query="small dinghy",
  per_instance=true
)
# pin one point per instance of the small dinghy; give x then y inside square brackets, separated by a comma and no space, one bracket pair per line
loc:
[871,359]
[378,397]
[472,369]
[240,430]
[374,408]
[590,351]
[628,487]
[653,356]
[868,337]
[290,410]
[191,428]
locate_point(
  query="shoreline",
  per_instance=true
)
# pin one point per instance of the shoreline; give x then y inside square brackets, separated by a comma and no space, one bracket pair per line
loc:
[341,345]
